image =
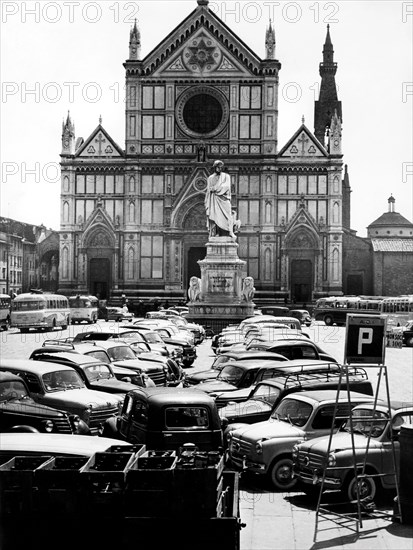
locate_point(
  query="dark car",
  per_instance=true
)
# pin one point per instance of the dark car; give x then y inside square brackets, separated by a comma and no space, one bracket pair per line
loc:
[236,379]
[95,374]
[59,386]
[219,362]
[188,350]
[167,418]
[294,349]
[20,413]
[303,315]
[266,395]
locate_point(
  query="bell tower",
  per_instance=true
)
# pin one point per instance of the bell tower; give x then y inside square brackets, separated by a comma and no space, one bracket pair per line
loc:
[328,101]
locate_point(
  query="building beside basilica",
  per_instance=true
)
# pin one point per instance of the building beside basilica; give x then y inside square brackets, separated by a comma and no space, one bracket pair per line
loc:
[132,218]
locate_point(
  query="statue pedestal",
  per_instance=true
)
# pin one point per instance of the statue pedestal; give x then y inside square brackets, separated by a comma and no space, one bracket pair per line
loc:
[221,300]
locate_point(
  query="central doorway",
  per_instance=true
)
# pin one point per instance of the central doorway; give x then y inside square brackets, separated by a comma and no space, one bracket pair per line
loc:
[301,280]
[99,278]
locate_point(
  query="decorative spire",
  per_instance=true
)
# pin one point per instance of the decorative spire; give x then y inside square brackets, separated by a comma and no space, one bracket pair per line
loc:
[328,100]
[68,136]
[391,202]
[202,2]
[135,42]
[270,42]
[302,120]
[100,120]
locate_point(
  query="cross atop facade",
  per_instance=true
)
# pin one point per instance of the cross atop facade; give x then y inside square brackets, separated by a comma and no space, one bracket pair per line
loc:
[303,140]
[100,139]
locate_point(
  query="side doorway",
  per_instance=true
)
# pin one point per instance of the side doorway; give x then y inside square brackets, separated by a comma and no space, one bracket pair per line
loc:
[99,277]
[301,280]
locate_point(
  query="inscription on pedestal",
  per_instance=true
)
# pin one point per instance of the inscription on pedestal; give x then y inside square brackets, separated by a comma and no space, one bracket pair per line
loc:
[221,283]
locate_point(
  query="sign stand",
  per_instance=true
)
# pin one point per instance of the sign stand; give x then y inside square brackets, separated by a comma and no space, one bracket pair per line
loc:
[365,344]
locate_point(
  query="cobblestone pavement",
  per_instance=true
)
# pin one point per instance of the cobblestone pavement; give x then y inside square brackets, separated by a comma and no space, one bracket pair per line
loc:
[287,520]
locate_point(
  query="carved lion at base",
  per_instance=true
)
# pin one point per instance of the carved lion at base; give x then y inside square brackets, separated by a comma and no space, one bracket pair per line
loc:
[248,289]
[194,290]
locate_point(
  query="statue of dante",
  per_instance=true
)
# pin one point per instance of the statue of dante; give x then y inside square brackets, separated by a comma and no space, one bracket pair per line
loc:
[218,203]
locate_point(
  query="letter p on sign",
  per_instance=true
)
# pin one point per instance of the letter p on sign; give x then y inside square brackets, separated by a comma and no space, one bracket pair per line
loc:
[365,339]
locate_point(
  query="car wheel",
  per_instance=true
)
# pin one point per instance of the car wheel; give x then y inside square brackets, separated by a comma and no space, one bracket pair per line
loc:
[328,320]
[409,342]
[367,488]
[280,474]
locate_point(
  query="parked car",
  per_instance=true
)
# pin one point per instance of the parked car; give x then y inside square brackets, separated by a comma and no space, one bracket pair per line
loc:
[372,430]
[117,354]
[167,418]
[303,315]
[188,350]
[20,413]
[266,448]
[117,314]
[96,375]
[293,377]
[51,444]
[220,360]
[294,349]
[234,382]
[61,387]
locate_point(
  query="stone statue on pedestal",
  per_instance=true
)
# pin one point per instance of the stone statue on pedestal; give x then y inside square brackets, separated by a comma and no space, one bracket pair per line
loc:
[194,291]
[248,289]
[218,203]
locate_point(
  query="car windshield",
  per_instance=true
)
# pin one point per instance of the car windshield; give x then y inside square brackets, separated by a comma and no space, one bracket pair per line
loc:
[98,372]
[62,380]
[367,423]
[133,336]
[293,411]
[99,355]
[12,390]
[231,374]
[120,353]
[267,394]
[153,338]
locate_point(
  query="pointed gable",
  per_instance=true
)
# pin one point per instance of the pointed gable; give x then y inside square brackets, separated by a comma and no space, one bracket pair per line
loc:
[303,144]
[99,145]
[201,45]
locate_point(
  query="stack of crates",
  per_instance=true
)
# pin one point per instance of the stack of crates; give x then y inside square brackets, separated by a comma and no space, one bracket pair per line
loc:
[59,486]
[150,485]
[103,479]
[18,490]
[198,485]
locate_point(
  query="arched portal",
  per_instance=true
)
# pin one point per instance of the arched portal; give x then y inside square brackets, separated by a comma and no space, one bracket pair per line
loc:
[99,251]
[195,239]
[302,253]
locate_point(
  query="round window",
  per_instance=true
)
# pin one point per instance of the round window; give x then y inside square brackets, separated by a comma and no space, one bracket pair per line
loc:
[202,112]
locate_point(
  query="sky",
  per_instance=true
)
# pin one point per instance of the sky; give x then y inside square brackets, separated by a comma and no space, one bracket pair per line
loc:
[67,56]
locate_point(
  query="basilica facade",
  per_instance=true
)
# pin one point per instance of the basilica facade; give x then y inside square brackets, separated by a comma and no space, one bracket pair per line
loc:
[132,218]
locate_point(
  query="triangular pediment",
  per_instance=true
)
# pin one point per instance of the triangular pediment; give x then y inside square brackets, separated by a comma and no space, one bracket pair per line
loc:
[201,45]
[99,145]
[303,144]
[302,223]
[202,56]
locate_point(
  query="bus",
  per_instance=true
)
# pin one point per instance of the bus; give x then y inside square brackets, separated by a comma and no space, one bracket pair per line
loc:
[397,309]
[334,309]
[41,311]
[5,304]
[83,308]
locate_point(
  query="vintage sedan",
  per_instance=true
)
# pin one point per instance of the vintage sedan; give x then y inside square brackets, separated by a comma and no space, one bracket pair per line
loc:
[266,448]
[61,387]
[372,430]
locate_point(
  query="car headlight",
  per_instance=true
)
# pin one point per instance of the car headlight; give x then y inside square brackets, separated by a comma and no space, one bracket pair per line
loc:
[48,426]
[295,451]
[258,447]
[332,460]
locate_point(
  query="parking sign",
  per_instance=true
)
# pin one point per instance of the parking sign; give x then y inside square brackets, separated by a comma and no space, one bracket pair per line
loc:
[365,339]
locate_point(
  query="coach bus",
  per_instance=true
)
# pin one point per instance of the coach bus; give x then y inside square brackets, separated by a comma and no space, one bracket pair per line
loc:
[397,309]
[5,303]
[41,311]
[83,308]
[334,309]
